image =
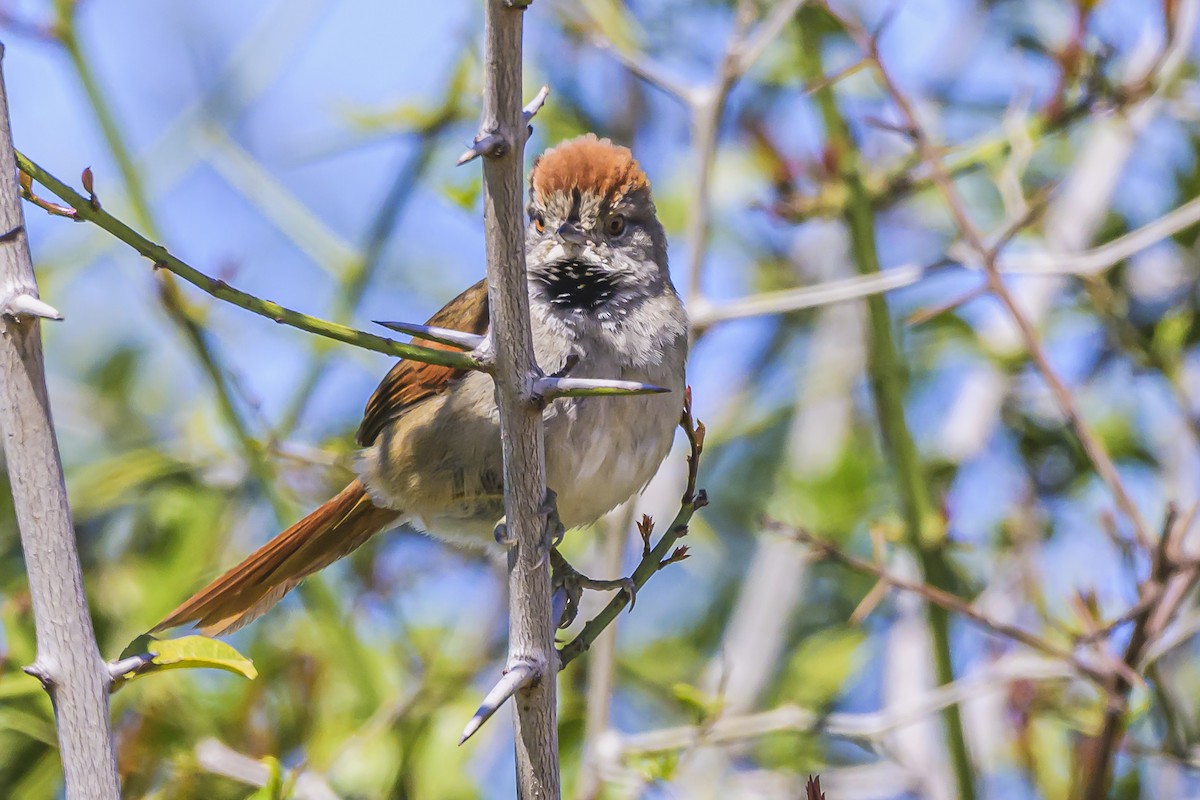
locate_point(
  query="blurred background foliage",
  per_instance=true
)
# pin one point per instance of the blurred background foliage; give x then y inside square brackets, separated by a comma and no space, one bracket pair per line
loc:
[304,151]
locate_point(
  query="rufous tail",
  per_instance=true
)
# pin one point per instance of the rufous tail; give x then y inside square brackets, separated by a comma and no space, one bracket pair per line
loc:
[248,591]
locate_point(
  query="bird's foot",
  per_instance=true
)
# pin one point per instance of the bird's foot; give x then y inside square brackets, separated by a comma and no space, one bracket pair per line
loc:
[555,531]
[503,535]
[567,584]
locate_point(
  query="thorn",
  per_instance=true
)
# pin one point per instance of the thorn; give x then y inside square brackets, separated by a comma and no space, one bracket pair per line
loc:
[119,669]
[467,341]
[549,387]
[492,145]
[26,305]
[535,105]
[42,673]
[515,678]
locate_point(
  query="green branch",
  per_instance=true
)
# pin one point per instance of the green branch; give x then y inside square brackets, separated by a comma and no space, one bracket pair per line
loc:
[662,554]
[924,532]
[85,210]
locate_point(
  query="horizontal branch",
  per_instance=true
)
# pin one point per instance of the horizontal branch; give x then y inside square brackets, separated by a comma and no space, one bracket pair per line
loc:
[869,726]
[705,313]
[89,211]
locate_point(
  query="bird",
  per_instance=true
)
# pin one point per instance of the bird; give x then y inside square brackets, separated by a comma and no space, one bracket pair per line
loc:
[602,305]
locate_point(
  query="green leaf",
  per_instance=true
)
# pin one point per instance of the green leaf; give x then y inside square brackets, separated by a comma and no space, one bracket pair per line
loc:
[186,652]
[273,788]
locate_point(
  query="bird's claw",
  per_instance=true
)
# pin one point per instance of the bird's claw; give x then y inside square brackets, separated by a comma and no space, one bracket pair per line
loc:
[568,583]
[555,531]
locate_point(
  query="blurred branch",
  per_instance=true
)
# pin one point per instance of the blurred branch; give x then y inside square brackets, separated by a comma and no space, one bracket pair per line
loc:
[662,554]
[704,313]
[950,602]
[220,759]
[923,533]
[221,290]
[185,317]
[871,726]
[930,155]
[358,275]
[706,106]
[68,661]
[1168,570]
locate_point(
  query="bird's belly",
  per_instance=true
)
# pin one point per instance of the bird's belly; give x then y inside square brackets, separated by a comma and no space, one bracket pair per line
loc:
[446,479]
[600,451]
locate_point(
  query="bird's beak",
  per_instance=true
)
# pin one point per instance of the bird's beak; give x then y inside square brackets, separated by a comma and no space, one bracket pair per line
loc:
[569,233]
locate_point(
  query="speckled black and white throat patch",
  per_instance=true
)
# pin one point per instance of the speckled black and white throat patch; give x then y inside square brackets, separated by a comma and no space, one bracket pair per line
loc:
[576,284]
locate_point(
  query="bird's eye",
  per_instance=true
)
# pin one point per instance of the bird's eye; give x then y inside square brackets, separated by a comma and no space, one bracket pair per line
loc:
[539,223]
[615,225]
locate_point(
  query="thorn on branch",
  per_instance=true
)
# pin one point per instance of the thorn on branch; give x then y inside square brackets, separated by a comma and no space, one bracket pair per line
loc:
[535,105]
[42,673]
[549,387]
[26,305]
[491,145]
[515,678]
[467,341]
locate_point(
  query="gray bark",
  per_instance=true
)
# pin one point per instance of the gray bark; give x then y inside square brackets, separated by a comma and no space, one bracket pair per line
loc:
[68,661]
[531,632]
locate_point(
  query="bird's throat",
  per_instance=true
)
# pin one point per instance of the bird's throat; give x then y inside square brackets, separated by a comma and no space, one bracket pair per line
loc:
[573,284]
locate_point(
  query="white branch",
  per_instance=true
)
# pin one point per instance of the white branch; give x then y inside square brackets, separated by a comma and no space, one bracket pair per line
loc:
[531,627]
[68,661]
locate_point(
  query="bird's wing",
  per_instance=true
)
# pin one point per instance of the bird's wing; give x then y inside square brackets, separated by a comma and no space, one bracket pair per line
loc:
[410,382]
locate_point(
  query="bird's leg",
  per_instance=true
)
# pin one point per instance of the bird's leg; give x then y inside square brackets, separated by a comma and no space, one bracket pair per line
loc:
[568,584]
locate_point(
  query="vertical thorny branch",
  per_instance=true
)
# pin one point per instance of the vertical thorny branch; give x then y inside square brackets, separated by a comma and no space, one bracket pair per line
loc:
[531,629]
[68,660]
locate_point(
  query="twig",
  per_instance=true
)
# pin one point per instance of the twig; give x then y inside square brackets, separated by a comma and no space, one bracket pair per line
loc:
[706,106]
[68,661]
[185,318]
[663,553]
[1101,750]
[223,291]
[356,277]
[949,602]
